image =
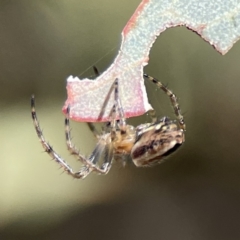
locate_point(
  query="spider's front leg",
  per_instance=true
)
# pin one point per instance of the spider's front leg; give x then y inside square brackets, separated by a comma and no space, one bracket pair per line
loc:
[50,151]
[173,100]
[101,148]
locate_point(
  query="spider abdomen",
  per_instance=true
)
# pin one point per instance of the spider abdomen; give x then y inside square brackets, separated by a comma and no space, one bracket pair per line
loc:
[156,143]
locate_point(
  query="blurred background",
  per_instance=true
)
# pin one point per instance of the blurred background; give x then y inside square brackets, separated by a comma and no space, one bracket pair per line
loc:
[193,195]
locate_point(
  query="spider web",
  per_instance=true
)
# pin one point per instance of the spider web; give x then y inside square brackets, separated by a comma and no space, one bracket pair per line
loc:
[216,21]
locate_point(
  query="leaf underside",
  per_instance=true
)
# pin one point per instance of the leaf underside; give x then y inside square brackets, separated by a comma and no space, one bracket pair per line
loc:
[216,21]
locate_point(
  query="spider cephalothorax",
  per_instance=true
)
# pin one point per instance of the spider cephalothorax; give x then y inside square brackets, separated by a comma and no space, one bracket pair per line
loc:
[147,144]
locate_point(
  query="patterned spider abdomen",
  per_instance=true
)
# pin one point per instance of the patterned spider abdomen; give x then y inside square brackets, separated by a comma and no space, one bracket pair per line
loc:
[156,142]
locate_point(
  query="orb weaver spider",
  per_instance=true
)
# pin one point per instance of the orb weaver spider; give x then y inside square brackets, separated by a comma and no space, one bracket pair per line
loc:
[147,144]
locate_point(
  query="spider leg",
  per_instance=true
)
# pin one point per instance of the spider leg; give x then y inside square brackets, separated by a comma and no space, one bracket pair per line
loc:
[70,146]
[101,148]
[173,100]
[50,151]
[117,102]
[93,129]
[153,116]
[96,71]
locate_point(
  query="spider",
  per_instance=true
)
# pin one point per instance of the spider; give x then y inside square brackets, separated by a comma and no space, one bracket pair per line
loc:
[147,144]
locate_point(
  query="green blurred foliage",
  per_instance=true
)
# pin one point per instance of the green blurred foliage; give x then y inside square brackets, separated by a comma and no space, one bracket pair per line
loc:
[193,195]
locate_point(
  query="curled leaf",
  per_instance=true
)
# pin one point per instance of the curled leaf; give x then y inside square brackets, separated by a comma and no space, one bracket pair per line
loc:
[216,21]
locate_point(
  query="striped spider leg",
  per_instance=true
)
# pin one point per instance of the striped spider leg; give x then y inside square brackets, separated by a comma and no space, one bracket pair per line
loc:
[50,151]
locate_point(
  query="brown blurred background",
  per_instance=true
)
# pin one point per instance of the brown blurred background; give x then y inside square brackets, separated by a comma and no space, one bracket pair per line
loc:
[193,195]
